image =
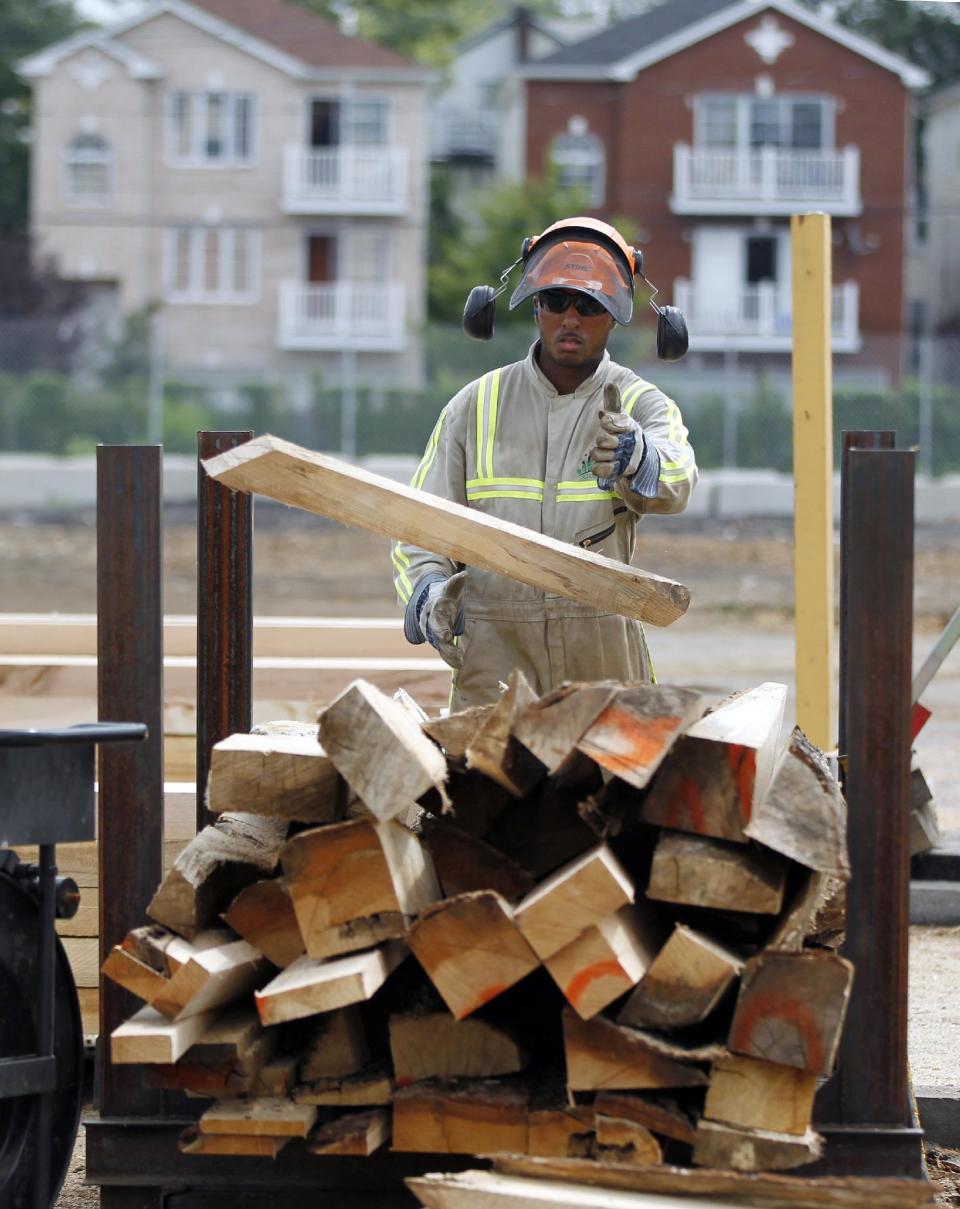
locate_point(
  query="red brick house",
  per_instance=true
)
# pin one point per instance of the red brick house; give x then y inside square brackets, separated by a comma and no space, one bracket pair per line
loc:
[708,123]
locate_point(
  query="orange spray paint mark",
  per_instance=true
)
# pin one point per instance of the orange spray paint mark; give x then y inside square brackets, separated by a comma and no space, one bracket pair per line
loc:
[743,766]
[600,969]
[619,740]
[482,998]
[761,1008]
[685,810]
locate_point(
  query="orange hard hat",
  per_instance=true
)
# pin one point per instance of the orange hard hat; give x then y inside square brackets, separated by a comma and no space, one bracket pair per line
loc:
[582,254]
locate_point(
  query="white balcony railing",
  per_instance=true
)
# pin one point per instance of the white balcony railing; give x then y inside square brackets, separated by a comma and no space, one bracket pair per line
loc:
[342,315]
[767,180]
[756,318]
[345,180]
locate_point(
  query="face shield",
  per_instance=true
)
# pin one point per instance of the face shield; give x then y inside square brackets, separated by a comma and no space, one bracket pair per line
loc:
[576,264]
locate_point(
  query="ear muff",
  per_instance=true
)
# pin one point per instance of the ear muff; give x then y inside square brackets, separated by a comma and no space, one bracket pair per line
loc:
[672,336]
[480,312]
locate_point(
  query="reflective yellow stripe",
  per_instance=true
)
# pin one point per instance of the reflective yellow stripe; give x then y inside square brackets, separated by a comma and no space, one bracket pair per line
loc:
[570,484]
[673,413]
[505,495]
[498,482]
[632,394]
[430,453]
[679,465]
[492,420]
[401,580]
[678,476]
[590,495]
[481,407]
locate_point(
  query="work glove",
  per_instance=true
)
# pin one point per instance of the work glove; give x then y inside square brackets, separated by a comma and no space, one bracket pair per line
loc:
[619,444]
[435,614]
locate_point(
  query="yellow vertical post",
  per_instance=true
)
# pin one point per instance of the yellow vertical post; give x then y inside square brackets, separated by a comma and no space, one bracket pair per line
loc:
[813,477]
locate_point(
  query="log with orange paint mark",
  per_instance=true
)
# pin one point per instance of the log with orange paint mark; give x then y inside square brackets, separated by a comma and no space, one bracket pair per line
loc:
[719,770]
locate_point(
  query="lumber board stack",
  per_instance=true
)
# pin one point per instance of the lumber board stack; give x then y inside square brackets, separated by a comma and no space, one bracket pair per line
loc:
[586,926]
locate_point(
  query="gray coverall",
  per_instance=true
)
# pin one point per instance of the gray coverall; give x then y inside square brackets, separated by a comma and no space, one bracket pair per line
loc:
[510,446]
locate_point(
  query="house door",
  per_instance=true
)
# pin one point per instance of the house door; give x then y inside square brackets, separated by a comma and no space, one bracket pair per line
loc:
[325,124]
[321,259]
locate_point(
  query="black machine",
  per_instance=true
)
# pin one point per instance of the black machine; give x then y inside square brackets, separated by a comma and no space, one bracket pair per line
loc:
[46,798]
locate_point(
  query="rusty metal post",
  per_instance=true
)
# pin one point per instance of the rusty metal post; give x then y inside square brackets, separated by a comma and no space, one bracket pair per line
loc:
[224,609]
[129,689]
[871,1127]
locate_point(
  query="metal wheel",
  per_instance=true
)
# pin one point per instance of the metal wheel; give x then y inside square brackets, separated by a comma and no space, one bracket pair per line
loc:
[18,995]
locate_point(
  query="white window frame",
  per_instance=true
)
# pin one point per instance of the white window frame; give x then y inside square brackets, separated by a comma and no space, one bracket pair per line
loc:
[586,155]
[74,158]
[744,101]
[346,100]
[195,292]
[197,106]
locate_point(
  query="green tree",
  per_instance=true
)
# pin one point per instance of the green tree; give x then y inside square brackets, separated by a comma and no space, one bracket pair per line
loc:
[926,34]
[25,26]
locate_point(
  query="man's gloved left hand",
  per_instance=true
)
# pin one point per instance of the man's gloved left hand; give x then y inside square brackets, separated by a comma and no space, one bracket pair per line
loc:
[619,444]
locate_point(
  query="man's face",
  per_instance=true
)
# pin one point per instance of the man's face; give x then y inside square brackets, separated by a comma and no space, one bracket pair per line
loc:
[568,338]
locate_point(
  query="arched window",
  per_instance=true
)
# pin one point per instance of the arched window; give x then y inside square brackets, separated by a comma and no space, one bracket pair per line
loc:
[89,164]
[580,159]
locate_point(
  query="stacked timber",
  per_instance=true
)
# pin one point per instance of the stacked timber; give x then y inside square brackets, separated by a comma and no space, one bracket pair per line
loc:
[588,925]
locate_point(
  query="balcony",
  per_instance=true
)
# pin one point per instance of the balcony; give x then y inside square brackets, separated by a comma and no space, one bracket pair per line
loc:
[464,135]
[756,319]
[342,315]
[345,180]
[766,180]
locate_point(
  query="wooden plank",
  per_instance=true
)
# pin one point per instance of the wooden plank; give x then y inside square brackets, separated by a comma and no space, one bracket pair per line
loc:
[582,893]
[363,720]
[366,1089]
[455,732]
[556,1129]
[490,1190]
[490,750]
[728,1187]
[83,953]
[263,914]
[803,815]
[606,960]
[601,1055]
[464,863]
[633,1143]
[552,726]
[354,870]
[760,1095]
[307,987]
[685,982]
[150,1037]
[286,776]
[269,1116]
[358,1133]
[214,867]
[660,1115]
[633,734]
[192,1141]
[129,972]
[791,1009]
[718,771]
[753,1149]
[324,485]
[471,1118]
[702,872]
[471,950]
[212,977]
[336,1048]
[433,1045]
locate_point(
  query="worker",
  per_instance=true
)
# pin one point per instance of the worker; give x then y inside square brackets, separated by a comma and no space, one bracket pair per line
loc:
[567,443]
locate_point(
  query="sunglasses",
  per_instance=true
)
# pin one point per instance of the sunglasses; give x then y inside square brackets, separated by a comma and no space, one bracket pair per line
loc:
[557,301]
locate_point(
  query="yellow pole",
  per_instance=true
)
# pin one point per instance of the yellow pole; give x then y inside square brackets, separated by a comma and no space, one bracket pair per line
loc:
[813,477]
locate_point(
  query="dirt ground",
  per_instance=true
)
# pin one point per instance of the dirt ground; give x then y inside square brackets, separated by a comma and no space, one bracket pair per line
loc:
[738,627]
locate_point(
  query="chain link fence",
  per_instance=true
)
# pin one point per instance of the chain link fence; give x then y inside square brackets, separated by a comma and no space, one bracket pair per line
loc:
[737,406]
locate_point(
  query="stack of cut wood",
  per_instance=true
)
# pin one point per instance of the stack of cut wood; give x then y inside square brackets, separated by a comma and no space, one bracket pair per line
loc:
[582,925]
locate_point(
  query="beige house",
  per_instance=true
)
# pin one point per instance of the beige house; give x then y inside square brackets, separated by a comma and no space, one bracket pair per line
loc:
[252,169]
